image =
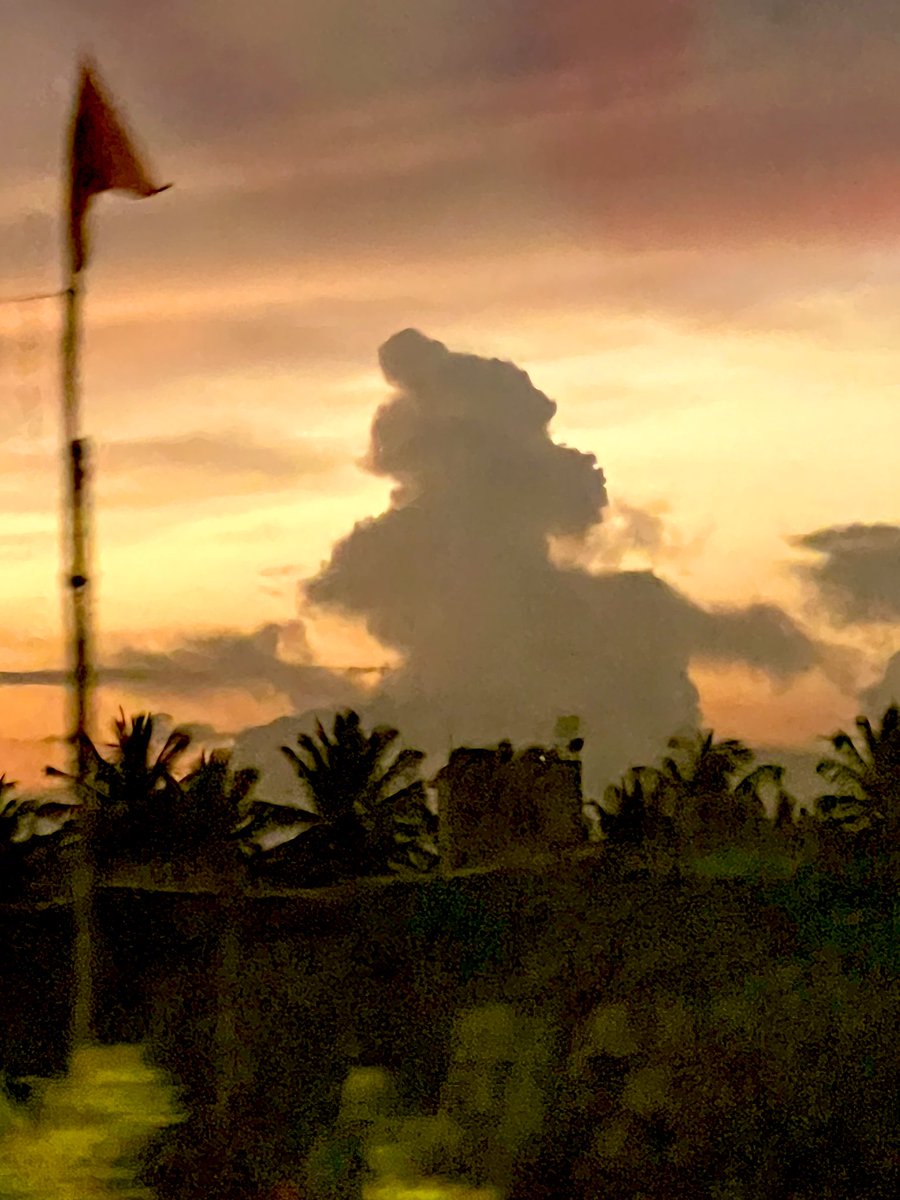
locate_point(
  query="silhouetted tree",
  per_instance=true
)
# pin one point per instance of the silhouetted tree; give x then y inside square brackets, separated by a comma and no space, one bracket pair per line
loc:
[135,792]
[370,815]
[699,782]
[632,813]
[868,777]
[212,801]
[29,856]
[10,859]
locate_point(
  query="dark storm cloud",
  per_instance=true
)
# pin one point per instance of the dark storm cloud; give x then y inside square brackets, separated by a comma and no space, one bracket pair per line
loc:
[248,661]
[857,575]
[497,641]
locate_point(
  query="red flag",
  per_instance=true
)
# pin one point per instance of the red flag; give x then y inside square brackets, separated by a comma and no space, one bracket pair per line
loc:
[102,158]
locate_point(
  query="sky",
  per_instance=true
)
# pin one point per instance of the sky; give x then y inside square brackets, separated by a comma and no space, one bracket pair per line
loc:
[678,219]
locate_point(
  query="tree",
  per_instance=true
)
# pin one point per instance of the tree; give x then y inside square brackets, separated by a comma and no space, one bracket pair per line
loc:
[209,809]
[21,847]
[135,791]
[370,815]
[699,783]
[868,777]
[632,814]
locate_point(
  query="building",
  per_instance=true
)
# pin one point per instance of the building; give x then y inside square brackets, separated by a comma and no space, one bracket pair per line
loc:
[497,803]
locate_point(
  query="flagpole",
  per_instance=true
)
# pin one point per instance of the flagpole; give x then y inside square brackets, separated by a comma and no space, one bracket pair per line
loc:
[76,467]
[101,158]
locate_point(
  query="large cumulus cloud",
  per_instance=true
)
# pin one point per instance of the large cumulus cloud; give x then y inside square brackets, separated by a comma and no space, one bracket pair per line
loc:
[497,639]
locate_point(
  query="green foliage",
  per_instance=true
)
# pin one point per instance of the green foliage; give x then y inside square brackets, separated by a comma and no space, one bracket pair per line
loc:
[470,927]
[754,1064]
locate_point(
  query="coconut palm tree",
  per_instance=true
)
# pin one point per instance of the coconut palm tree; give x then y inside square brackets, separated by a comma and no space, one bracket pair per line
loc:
[10,815]
[369,812]
[867,776]
[209,809]
[632,814]
[23,848]
[700,789]
[135,791]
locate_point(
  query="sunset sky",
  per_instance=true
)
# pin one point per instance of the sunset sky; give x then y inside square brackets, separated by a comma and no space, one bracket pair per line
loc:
[680,217]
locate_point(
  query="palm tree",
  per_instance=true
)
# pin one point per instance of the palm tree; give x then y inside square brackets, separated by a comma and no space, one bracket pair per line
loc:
[701,792]
[868,776]
[209,809]
[135,791]
[370,815]
[632,814]
[19,853]
[10,814]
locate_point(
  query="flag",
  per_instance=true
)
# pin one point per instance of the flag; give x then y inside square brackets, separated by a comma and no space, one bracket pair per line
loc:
[102,158]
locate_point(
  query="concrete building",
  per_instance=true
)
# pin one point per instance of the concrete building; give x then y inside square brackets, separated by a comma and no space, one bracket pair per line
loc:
[496,803]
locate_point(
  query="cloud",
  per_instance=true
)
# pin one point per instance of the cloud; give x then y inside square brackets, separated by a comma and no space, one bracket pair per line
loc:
[304,129]
[155,472]
[274,658]
[629,534]
[497,640]
[253,662]
[875,699]
[857,576]
[759,635]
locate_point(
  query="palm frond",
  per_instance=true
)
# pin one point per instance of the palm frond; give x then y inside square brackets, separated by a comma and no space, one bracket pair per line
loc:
[308,744]
[890,722]
[870,737]
[406,762]
[843,743]
[838,772]
[764,773]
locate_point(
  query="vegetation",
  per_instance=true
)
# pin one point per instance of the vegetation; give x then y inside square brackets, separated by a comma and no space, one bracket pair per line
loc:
[86,1143]
[369,811]
[750,1046]
[23,854]
[211,805]
[868,776]
[705,798]
[363,811]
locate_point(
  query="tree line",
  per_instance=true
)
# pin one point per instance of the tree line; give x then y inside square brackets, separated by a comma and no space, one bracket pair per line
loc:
[362,808]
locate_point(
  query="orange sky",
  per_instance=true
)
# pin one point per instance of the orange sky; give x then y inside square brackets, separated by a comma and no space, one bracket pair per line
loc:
[677,217]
